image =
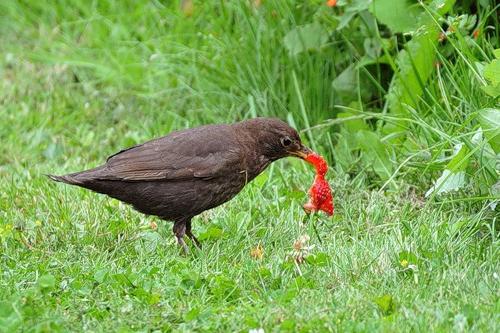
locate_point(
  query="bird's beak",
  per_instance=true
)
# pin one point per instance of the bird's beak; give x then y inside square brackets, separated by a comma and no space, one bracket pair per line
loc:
[302,152]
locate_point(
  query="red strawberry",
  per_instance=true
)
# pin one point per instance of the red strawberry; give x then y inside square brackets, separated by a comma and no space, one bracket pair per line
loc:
[320,195]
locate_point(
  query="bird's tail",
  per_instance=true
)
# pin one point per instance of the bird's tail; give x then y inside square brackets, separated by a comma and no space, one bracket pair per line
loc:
[79,178]
[68,179]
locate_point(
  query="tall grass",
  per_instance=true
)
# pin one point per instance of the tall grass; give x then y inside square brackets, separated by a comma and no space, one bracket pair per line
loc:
[228,61]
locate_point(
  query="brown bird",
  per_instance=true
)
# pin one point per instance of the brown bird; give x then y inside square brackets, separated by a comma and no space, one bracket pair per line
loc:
[178,176]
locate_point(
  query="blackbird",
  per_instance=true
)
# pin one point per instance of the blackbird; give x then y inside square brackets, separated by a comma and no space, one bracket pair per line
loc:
[186,172]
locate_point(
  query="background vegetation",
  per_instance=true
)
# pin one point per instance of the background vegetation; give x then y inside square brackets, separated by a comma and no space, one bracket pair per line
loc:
[400,96]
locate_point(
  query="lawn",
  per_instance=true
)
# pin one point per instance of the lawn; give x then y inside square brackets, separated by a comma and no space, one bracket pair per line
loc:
[404,251]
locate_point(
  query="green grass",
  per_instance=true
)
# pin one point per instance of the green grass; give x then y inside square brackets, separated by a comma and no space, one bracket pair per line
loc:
[81,81]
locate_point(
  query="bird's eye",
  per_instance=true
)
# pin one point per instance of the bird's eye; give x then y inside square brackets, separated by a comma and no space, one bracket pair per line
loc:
[286,141]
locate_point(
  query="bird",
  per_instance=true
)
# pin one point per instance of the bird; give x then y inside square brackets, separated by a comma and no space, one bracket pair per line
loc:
[188,171]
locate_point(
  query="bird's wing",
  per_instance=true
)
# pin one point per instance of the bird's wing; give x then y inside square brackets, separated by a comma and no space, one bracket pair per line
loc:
[204,152]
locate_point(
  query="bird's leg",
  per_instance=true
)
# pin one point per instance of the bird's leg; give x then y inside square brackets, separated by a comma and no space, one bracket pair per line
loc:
[179,230]
[190,234]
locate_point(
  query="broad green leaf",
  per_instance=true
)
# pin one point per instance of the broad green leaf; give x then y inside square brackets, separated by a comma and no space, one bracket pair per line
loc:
[150,241]
[6,309]
[287,295]
[352,9]
[407,256]
[372,47]
[492,72]
[386,304]
[489,119]
[471,313]
[460,160]
[366,61]
[192,314]
[376,153]
[448,182]
[345,82]
[305,38]
[224,287]
[318,259]
[399,16]
[213,232]
[46,281]
[415,63]
[346,18]
[345,144]
[10,318]
[495,191]
[352,125]
[441,6]
[100,275]
[493,91]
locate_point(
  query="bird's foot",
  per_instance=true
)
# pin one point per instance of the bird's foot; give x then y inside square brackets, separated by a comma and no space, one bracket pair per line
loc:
[179,230]
[182,244]
[194,239]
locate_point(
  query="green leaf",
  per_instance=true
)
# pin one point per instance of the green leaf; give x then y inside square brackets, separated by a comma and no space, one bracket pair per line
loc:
[489,119]
[373,47]
[192,314]
[366,61]
[386,304]
[471,313]
[495,191]
[399,16]
[46,281]
[460,159]
[150,241]
[343,149]
[375,152]
[10,318]
[223,287]
[492,72]
[346,18]
[318,259]
[122,280]
[153,298]
[100,275]
[415,63]
[306,38]
[287,295]
[345,82]
[353,9]
[6,309]
[493,91]
[410,257]
[448,182]
[213,232]
[352,125]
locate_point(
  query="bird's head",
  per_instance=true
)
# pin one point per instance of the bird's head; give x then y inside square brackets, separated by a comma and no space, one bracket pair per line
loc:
[275,138]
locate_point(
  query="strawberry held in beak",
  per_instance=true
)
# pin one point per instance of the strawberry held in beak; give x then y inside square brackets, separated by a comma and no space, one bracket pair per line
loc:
[320,194]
